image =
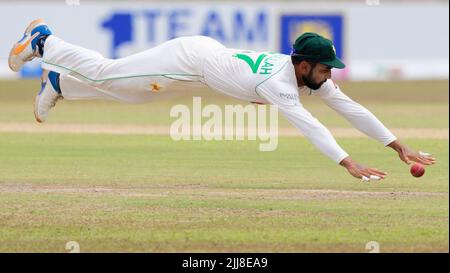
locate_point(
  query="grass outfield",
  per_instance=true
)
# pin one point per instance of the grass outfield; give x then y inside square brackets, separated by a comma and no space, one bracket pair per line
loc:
[397,104]
[129,193]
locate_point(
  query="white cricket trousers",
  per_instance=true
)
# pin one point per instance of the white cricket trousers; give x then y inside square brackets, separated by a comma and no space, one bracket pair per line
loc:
[86,74]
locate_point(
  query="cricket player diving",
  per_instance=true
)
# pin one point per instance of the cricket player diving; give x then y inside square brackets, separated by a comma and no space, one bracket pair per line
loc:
[72,72]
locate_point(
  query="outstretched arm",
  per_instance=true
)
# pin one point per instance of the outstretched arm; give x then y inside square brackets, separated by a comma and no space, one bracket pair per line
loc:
[321,137]
[366,122]
[361,118]
[282,91]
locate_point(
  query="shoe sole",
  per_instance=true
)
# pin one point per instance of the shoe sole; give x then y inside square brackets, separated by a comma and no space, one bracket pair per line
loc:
[20,47]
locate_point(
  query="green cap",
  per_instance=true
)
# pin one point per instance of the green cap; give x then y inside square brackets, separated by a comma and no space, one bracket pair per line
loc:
[315,48]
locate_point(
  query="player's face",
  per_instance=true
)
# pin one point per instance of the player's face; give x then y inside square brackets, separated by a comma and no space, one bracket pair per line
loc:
[315,76]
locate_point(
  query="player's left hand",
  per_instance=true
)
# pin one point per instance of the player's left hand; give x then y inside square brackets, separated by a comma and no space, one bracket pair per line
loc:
[408,156]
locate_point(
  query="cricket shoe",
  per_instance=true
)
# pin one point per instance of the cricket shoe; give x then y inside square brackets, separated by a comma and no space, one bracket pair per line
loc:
[48,96]
[27,48]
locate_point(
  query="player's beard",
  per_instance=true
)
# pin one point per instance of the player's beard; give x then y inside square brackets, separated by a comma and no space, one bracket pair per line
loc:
[310,83]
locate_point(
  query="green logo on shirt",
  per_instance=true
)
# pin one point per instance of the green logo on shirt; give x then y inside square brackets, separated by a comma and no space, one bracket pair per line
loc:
[262,65]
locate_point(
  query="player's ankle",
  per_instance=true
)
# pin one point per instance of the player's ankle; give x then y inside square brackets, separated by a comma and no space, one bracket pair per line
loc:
[41,33]
[40,44]
[54,80]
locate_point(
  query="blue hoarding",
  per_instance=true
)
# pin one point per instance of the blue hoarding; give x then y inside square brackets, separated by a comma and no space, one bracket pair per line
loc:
[329,26]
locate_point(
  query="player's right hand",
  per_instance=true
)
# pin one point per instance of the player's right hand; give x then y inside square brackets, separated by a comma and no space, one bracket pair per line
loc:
[359,171]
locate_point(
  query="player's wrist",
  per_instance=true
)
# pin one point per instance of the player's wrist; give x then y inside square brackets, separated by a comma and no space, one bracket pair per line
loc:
[346,162]
[396,145]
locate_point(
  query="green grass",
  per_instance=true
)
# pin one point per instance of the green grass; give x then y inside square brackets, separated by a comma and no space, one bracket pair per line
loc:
[130,193]
[107,160]
[43,222]
[400,105]
[204,196]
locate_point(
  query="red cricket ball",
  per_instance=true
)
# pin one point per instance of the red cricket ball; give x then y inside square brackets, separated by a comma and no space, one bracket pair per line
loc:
[417,170]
